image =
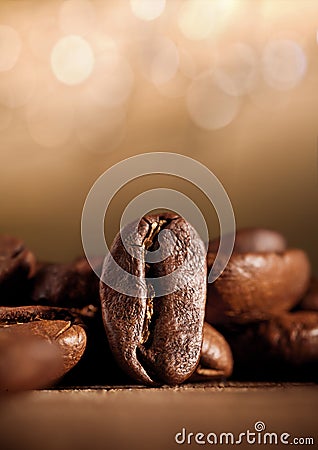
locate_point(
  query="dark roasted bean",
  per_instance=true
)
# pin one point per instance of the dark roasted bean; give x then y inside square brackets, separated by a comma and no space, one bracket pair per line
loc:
[156,338]
[27,361]
[216,361]
[254,286]
[67,285]
[57,326]
[284,347]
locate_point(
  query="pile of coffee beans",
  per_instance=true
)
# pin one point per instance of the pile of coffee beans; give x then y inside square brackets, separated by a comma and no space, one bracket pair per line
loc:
[61,325]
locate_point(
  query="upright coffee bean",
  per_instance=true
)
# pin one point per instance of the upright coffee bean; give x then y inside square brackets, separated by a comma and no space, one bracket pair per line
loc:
[154,325]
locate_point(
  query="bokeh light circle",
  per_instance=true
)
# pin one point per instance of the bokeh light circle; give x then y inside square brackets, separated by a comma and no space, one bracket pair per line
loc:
[72,60]
[147,9]
[284,64]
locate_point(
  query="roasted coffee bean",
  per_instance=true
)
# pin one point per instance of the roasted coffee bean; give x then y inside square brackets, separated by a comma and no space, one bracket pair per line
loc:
[55,325]
[17,264]
[254,286]
[284,347]
[27,362]
[254,240]
[24,314]
[66,285]
[156,338]
[310,300]
[216,361]
[293,336]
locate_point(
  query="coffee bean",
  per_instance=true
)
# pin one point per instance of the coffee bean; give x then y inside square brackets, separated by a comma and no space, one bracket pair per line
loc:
[54,325]
[293,336]
[255,285]
[156,338]
[27,362]
[282,348]
[66,285]
[216,361]
[254,240]
[17,264]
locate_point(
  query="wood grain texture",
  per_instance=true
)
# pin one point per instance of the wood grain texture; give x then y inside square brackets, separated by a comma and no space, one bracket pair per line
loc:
[143,418]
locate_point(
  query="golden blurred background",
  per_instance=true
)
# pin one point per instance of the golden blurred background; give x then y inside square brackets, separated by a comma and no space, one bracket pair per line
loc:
[86,84]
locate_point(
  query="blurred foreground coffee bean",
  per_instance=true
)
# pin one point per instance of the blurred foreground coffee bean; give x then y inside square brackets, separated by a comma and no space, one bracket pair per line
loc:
[282,348]
[254,284]
[66,285]
[254,240]
[310,300]
[156,338]
[56,326]
[27,361]
[17,264]
[216,361]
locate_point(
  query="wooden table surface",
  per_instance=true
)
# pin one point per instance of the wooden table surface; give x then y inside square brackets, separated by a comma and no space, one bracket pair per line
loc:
[133,417]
